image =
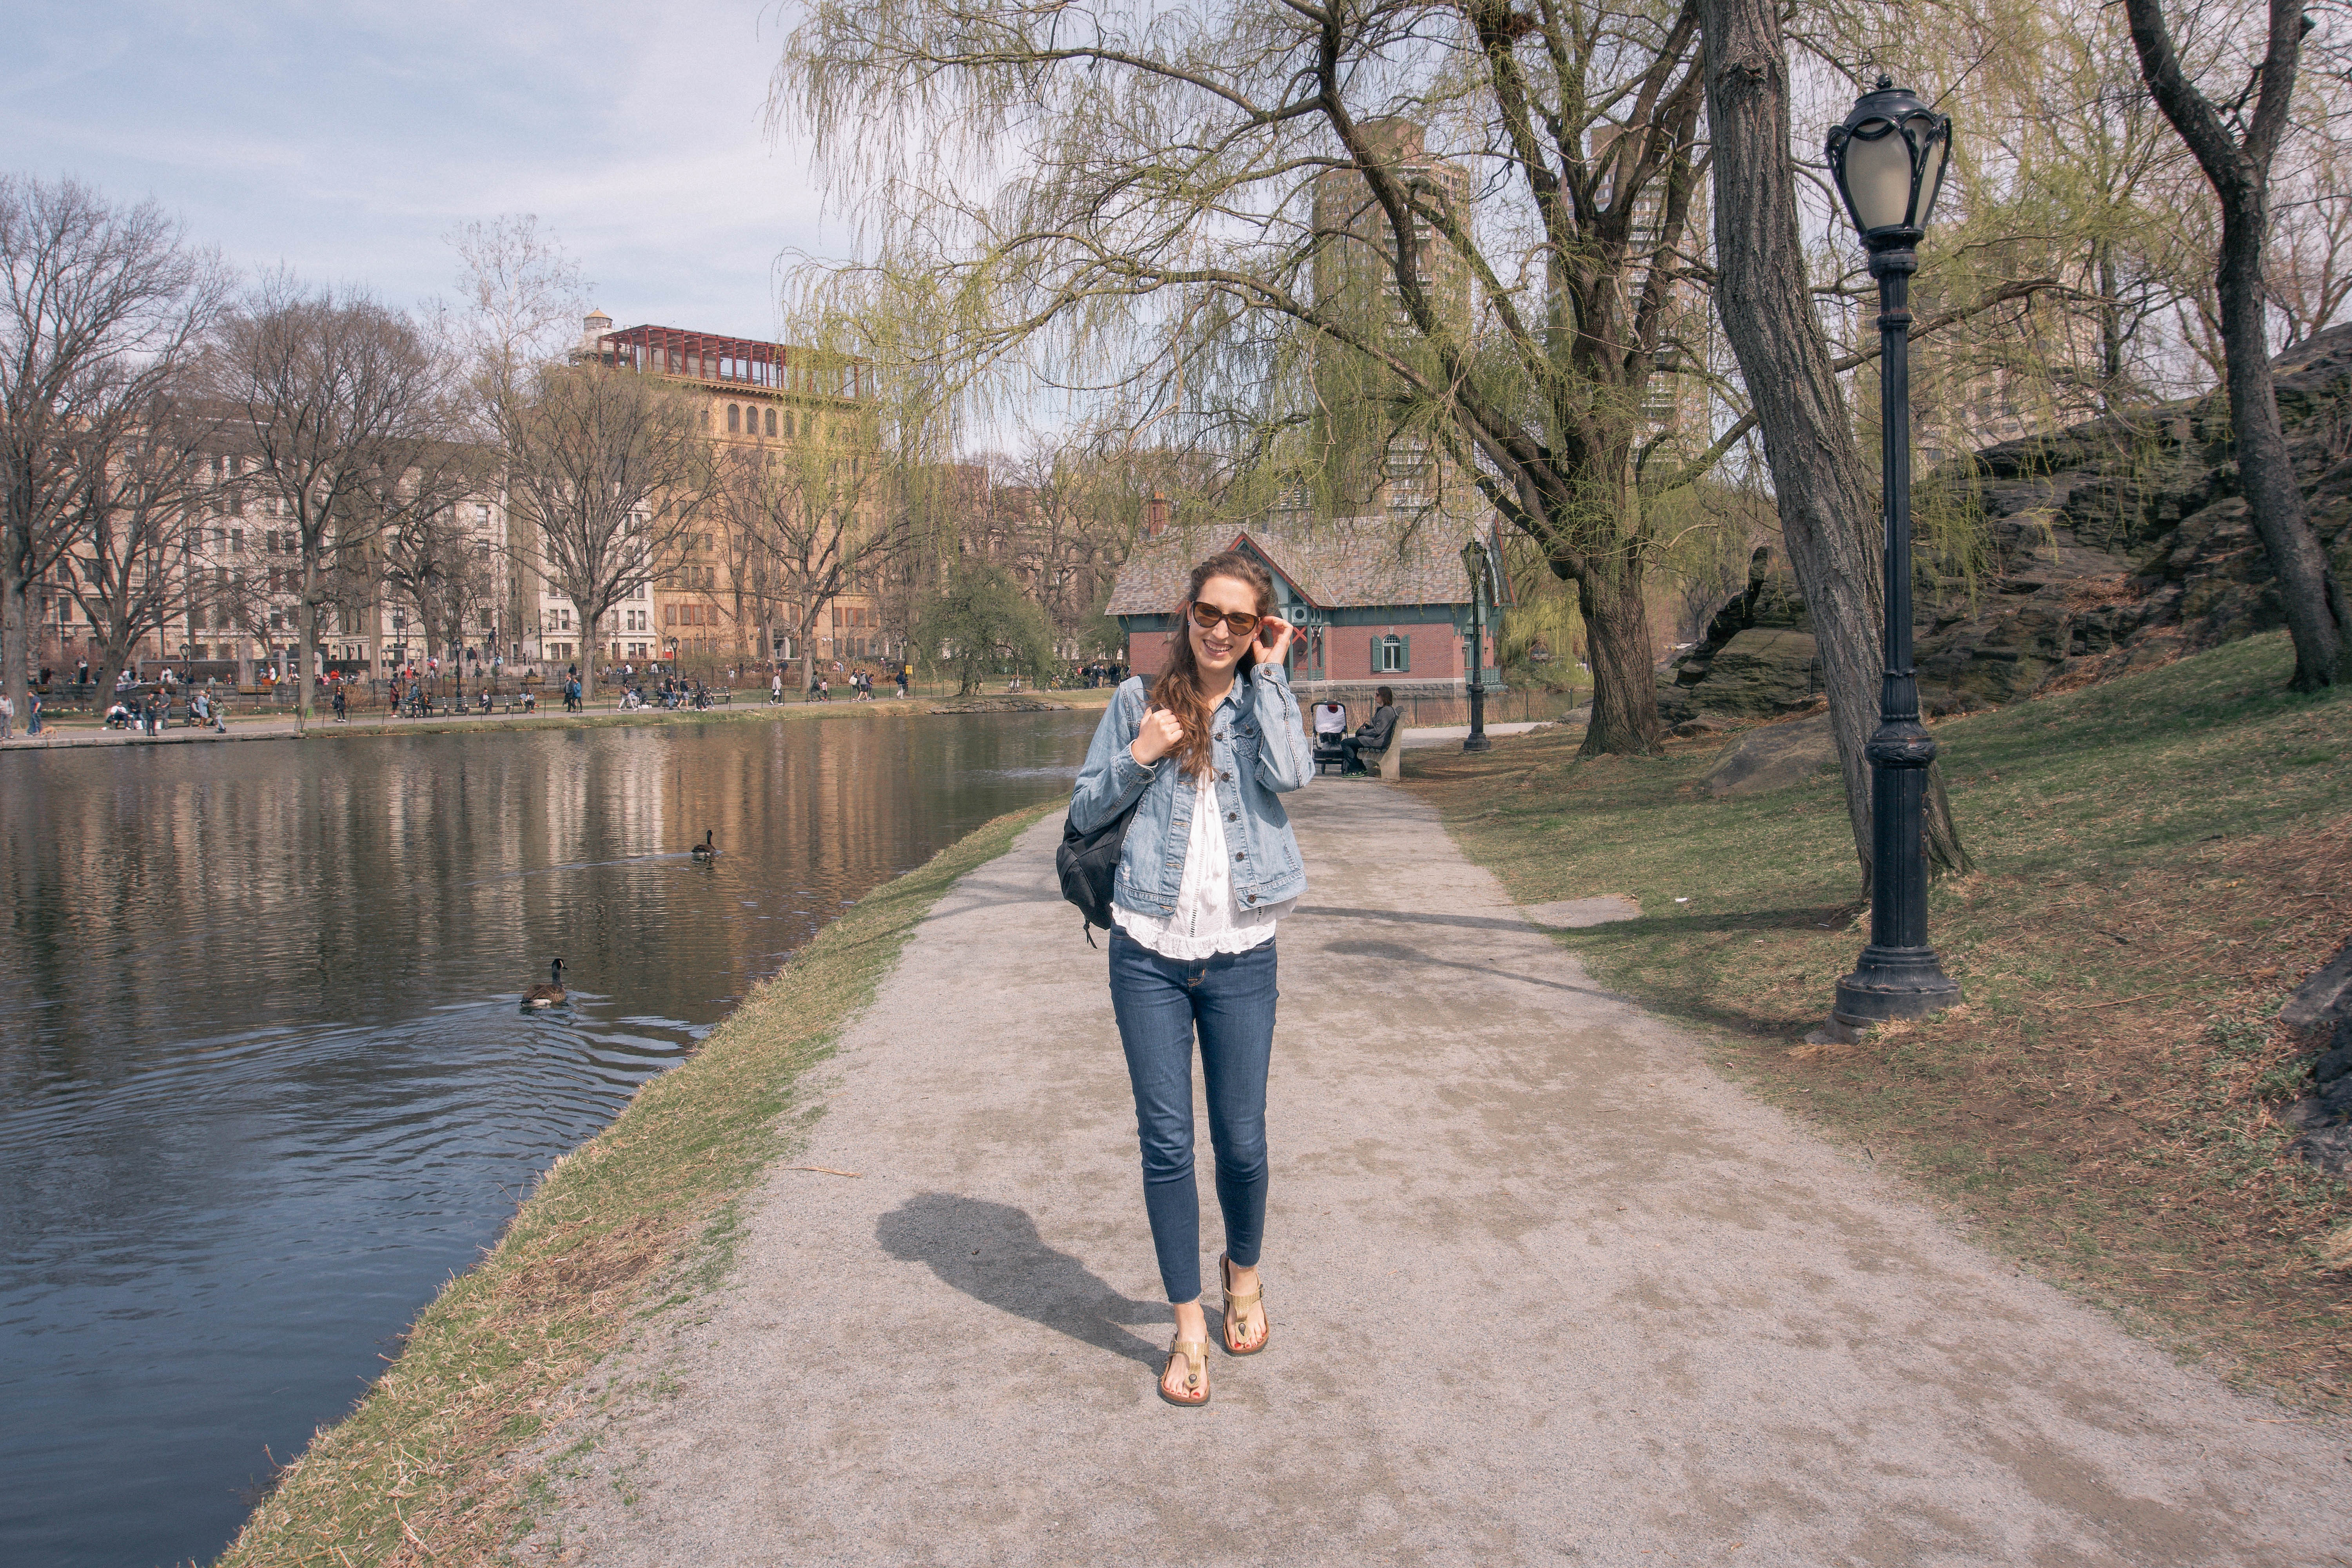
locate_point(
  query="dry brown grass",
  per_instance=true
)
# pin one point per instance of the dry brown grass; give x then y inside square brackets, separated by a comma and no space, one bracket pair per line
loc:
[2162,860]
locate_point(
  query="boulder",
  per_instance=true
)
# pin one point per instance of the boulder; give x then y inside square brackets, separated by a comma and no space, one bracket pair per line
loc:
[1763,671]
[2325,994]
[1756,658]
[2336,1064]
[1774,756]
[2329,1149]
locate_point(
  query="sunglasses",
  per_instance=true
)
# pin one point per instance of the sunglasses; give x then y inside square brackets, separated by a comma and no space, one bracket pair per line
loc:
[1240,621]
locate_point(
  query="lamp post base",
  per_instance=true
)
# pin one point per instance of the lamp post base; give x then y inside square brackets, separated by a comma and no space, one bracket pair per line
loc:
[1893,983]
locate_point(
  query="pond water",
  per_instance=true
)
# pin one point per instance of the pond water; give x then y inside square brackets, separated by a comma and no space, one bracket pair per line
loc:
[264,1078]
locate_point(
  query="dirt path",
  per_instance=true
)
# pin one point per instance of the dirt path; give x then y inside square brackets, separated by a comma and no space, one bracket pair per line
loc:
[1544,1289]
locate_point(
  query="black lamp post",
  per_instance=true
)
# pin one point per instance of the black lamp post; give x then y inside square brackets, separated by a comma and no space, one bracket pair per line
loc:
[1888,159]
[1474,562]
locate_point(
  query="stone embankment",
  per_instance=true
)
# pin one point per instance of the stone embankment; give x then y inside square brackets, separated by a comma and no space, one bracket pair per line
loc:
[2116,543]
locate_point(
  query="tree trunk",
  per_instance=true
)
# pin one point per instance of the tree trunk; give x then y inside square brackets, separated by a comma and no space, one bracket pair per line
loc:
[1617,641]
[306,640]
[2111,330]
[1827,520]
[112,654]
[2317,615]
[15,630]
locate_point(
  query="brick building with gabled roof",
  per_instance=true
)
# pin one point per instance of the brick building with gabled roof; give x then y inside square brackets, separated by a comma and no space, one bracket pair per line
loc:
[1375,605]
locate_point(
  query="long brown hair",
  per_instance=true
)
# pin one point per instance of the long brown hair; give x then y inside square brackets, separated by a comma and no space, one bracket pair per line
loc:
[1178,689]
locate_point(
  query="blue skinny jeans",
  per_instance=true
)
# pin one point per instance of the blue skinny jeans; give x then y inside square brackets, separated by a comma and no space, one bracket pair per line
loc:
[1160,1003]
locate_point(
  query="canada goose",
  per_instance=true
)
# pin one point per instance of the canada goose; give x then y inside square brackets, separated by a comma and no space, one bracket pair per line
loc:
[706,851]
[549,994]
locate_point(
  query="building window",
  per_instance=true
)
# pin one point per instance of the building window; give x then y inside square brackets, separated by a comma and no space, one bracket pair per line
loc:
[734,419]
[772,421]
[1392,654]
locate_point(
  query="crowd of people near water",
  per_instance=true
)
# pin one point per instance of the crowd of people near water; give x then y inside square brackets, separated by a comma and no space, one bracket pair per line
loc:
[170,698]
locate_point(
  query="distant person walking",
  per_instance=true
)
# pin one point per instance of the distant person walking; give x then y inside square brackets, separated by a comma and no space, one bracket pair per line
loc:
[7,716]
[776,687]
[1208,866]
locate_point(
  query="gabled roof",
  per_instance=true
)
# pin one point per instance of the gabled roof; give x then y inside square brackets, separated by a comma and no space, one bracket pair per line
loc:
[1334,564]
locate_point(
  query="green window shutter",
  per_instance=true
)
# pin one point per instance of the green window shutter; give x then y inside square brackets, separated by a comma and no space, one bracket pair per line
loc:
[1407,666]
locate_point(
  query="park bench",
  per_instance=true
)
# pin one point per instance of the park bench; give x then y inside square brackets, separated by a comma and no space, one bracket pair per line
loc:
[1388,764]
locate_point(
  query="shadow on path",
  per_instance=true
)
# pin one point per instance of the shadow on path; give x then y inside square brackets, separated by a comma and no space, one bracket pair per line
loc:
[1393,953]
[991,1253]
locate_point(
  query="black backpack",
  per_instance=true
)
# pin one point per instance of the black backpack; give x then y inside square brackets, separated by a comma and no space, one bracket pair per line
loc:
[1088,865]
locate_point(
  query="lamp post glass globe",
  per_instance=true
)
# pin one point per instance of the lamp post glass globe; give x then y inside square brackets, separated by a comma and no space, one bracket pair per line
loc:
[1888,158]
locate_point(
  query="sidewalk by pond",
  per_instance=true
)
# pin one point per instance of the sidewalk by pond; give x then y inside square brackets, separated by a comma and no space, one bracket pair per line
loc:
[548,715]
[1543,1289]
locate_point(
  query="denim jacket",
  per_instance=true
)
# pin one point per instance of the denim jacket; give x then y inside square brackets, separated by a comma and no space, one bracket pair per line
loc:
[1260,754]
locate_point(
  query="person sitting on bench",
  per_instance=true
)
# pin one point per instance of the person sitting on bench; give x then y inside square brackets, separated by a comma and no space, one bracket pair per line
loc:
[1378,734]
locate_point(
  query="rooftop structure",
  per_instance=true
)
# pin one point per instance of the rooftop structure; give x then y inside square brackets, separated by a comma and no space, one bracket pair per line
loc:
[724,361]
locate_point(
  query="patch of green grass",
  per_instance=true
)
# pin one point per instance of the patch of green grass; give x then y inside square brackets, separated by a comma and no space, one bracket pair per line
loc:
[2157,866]
[642,1215]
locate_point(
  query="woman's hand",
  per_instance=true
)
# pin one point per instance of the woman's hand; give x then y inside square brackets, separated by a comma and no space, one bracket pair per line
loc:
[1160,735]
[1279,649]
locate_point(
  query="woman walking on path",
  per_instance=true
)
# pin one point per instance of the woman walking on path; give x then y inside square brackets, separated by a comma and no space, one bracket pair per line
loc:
[1208,866]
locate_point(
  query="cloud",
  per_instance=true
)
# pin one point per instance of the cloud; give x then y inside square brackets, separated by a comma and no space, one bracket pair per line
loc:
[347,140]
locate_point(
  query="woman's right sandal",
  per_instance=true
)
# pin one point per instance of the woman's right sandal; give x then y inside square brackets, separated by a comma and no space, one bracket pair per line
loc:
[1196,1372]
[1234,1306]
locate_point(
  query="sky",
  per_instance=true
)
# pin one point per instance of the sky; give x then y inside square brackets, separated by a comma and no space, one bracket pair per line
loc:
[345,139]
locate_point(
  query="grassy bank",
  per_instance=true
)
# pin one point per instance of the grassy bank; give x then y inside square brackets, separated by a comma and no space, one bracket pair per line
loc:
[640,1216]
[2161,859]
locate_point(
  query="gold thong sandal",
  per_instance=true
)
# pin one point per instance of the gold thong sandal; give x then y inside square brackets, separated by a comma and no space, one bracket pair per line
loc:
[1196,1372]
[1233,1305]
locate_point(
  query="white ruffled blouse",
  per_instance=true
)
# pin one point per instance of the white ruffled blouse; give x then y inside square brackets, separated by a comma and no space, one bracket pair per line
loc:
[1208,921]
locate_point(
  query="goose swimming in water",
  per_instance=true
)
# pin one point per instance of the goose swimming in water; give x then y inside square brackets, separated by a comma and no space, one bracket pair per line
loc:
[549,994]
[706,851]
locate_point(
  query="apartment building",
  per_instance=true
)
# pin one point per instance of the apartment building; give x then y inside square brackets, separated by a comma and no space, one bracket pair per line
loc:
[232,571]
[724,602]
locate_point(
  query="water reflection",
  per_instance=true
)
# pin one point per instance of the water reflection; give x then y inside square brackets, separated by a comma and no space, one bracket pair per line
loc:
[264,1078]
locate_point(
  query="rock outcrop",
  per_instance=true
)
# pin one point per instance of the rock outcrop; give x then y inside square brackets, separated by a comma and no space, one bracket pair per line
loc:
[2323,1113]
[2116,543]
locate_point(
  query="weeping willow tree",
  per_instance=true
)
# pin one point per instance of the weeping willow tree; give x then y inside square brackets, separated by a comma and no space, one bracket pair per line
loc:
[865,496]
[1462,234]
